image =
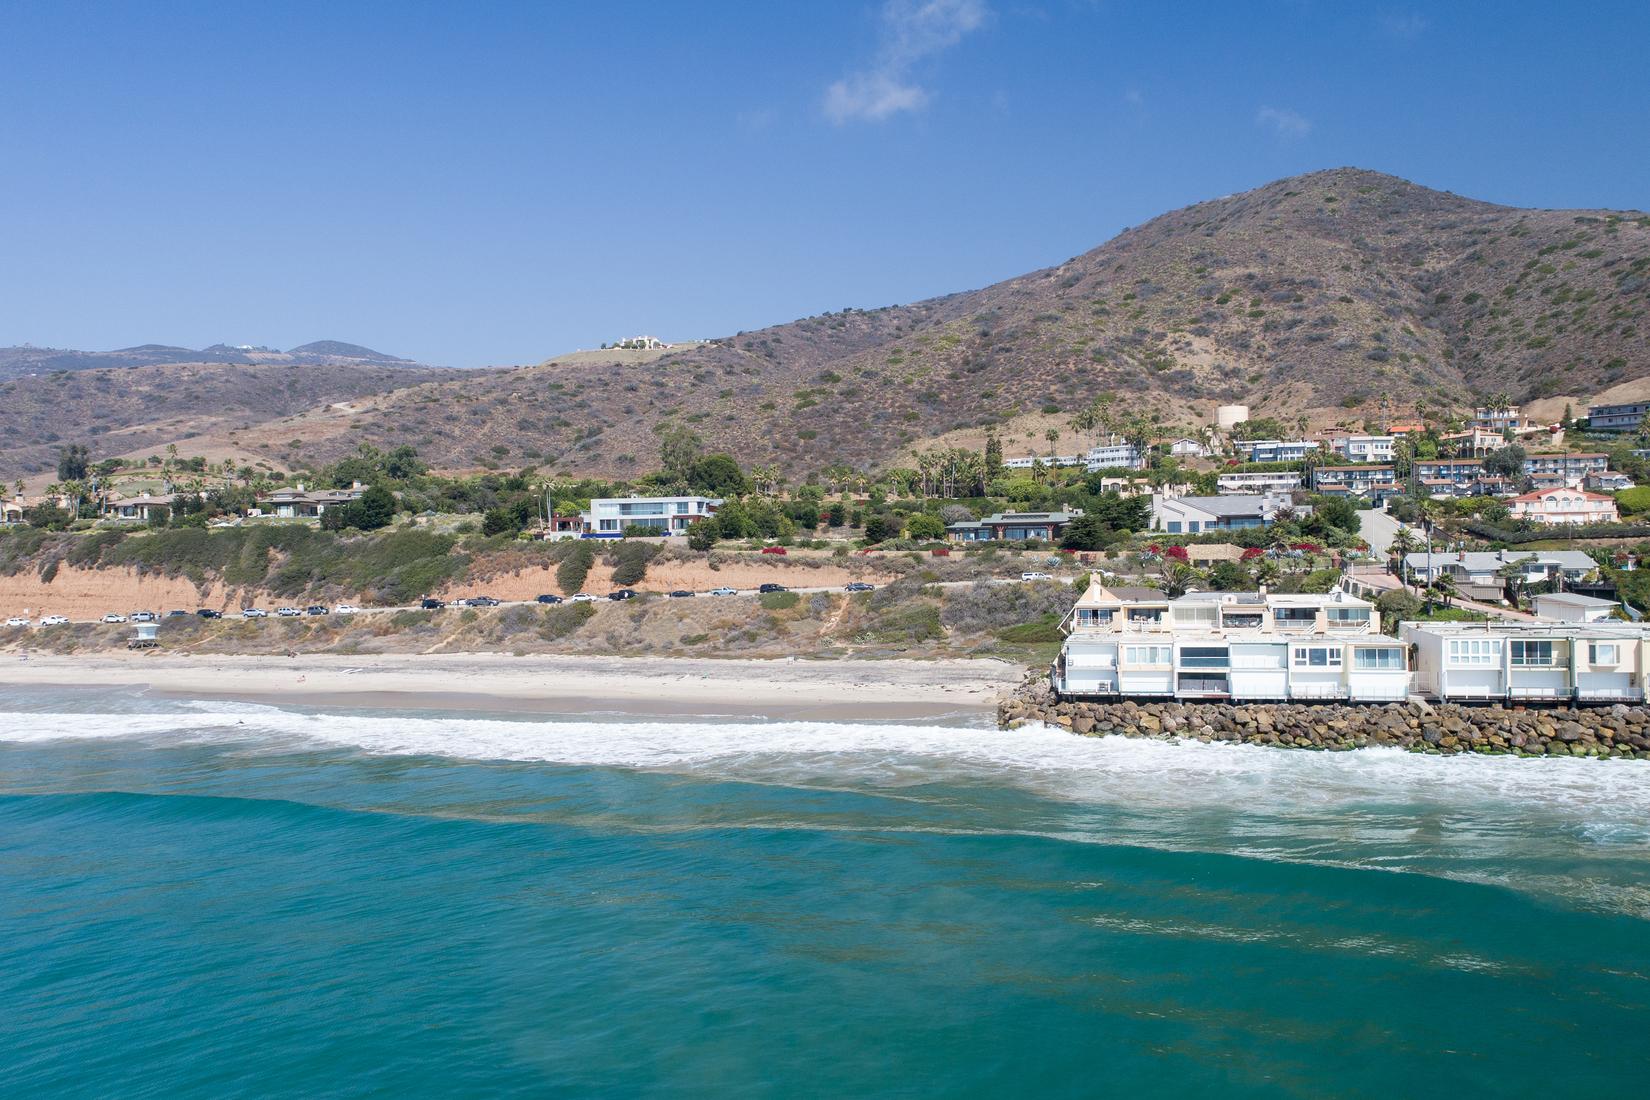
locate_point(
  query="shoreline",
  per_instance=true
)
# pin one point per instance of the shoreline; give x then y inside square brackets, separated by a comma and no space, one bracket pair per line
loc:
[793,689]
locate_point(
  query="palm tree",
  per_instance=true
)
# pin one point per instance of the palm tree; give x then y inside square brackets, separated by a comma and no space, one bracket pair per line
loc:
[1445,587]
[1177,577]
[1053,437]
[1403,544]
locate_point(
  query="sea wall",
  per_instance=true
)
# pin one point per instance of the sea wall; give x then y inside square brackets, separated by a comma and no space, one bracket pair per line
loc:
[1616,731]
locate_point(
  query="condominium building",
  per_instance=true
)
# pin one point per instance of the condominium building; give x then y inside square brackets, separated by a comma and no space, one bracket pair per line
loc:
[1573,468]
[1356,481]
[1261,481]
[1617,418]
[1458,470]
[1499,420]
[1277,450]
[610,517]
[1115,454]
[1579,662]
[1224,645]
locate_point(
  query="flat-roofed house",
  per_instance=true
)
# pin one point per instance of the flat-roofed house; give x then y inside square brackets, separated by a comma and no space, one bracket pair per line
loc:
[610,517]
[1013,526]
[1357,481]
[1572,607]
[1259,481]
[1626,417]
[1194,515]
[1557,662]
[1573,468]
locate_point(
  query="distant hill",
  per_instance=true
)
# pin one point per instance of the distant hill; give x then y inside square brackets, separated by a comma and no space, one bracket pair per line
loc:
[15,362]
[1339,295]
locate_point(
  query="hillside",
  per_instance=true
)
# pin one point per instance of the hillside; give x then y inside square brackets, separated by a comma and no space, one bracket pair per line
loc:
[120,411]
[1337,295]
[19,362]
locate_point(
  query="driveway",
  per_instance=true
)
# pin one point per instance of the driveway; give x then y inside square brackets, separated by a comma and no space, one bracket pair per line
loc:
[1378,530]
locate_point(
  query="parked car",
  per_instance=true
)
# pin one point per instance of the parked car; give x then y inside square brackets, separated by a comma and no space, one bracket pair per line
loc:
[430,603]
[1035,576]
[208,613]
[346,609]
[481,601]
[581,597]
[681,594]
[724,592]
[288,612]
[547,598]
[55,620]
[772,587]
[254,613]
[114,617]
[17,621]
[177,613]
[622,594]
[144,617]
[773,550]
[859,586]
[315,609]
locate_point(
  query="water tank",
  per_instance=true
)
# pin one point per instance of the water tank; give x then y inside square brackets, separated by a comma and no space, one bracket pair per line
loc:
[1228,417]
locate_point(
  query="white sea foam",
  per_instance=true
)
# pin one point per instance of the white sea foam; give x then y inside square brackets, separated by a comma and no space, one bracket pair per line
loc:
[1609,800]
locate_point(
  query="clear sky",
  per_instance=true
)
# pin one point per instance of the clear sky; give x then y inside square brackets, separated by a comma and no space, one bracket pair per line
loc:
[485,183]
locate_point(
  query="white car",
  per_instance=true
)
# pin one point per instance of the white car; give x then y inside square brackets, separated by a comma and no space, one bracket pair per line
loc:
[15,621]
[1035,576]
[114,617]
[580,597]
[724,592]
[288,612]
[254,613]
[346,609]
[55,620]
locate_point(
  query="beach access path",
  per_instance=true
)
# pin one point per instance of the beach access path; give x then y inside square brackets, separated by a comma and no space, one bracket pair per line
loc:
[842,690]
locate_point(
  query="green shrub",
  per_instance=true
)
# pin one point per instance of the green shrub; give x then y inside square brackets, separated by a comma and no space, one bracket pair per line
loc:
[1634,500]
[779,601]
[575,567]
[563,619]
[633,560]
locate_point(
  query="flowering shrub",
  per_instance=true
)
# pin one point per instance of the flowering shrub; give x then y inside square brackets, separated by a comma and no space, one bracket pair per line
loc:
[1177,553]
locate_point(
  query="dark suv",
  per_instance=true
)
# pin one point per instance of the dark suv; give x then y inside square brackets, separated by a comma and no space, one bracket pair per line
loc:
[771,587]
[622,594]
[430,603]
[208,613]
[549,599]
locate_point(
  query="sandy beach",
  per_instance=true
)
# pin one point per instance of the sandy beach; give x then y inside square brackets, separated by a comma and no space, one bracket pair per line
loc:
[843,690]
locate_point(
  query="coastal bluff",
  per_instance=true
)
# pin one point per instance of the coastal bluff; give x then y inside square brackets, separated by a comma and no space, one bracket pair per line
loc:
[1614,732]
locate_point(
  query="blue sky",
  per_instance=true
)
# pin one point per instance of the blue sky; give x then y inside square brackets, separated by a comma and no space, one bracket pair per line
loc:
[495,183]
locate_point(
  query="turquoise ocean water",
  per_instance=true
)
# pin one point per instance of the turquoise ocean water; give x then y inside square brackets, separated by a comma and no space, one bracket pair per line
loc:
[211,899]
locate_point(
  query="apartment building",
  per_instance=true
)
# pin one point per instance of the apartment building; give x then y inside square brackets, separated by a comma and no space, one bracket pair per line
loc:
[1457,470]
[1573,468]
[1559,662]
[1116,454]
[1357,481]
[610,517]
[1232,646]
[1617,418]
[1499,420]
[1267,481]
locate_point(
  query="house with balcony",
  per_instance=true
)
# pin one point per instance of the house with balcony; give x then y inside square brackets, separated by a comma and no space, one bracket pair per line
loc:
[1276,450]
[1458,470]
[1115,454]
[1563,506]
[1356,481]
[1364,448]
[611,517]
[1628,417]
[1195,515]
[1188,447]
[1573,468]
[1031,462]
[1472,442]
[1263,481]
[1477,574]
[1554,662]
[1606,481]
[1238,646]
[1013,527]
[1508,419]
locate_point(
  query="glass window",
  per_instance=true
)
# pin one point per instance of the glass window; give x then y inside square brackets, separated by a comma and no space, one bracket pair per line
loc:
[1146,654]
[1173,527]
[1603,653]
[1384,660]
[1532,654]
[1349,614]
[1474,651]
[1317,657]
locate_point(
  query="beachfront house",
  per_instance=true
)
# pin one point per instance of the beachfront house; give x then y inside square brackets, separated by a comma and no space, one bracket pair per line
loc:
[1364,449]
[1558,662]
[611,517]
[1356,481]
[1276,450]
[1460,471]
[1572,468]
[1013,526]
[1558,507]
[1239,646]
[1195,515]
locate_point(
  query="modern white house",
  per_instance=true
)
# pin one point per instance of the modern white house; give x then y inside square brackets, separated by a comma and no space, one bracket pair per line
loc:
[1573,468]
[610,517]
[1559,662]
[1499,420]
[1459,470]
[1559,507]
[1364,448]
[1028,462]
[1263,481]
[1115,454]
[1245,646]
[1358,481]
[1277,450]
[1195,515]
[1571,607]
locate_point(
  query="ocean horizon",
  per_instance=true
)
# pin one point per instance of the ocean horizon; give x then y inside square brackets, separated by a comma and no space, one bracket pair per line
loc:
[200,898]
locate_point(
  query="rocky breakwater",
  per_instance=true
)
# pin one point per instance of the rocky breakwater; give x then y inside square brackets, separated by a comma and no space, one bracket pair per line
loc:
[1616,731]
